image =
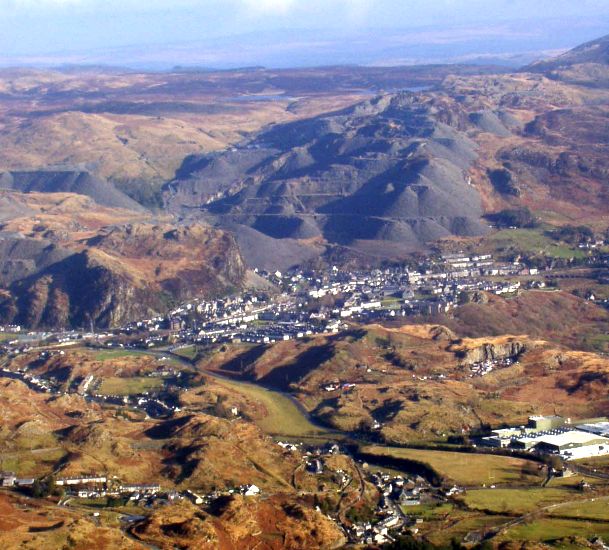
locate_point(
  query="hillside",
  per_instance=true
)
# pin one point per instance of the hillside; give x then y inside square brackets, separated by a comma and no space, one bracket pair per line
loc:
[418,383]
[391,174]
[272,524]
[554,159]
[557,316]
[134,129]
[212,452]
[34,523]
[305,164]
[83,183]
[334,162]
[75,435]
[392,169]
[587,64]
[73,263]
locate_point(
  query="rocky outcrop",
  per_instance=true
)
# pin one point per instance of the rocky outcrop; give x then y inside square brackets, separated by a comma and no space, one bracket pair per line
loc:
[469,354]
[77,292]
[125,273]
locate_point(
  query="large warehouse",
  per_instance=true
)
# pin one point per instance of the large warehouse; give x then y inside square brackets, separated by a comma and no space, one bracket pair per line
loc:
[573,444]
[598,428]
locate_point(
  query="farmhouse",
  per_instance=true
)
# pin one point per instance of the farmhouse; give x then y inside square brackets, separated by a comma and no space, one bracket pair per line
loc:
[7,479]
[194,497]
[250,490]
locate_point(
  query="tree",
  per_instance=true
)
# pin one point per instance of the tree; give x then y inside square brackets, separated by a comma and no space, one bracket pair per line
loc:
[514,217]
[37,489]
[573,234]
[555,462]
[43,489]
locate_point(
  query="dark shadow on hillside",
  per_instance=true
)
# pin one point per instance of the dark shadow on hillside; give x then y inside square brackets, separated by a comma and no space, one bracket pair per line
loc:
[283,376]
[182,464]
[239,365]
[168,428]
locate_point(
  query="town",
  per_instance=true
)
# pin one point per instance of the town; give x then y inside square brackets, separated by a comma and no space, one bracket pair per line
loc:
[300,303]
[296,305]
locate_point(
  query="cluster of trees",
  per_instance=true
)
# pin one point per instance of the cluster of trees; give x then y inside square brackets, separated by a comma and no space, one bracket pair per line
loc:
[46,488]
[503,181]
[573,234]
[514,217]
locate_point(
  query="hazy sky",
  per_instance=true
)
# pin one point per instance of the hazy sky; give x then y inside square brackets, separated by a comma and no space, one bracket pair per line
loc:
[43,27]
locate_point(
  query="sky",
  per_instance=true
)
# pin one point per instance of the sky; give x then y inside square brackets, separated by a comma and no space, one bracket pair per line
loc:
[280,32]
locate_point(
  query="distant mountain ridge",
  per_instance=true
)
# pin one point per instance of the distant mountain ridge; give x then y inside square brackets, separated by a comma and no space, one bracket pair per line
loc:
[595,51]
[587,64]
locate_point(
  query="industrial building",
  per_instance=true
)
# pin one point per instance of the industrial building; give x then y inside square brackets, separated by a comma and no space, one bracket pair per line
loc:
[573,445]
[598,428]
[541,423]
[554,435]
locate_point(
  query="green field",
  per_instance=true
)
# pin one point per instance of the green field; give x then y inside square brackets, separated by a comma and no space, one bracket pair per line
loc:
[459,525]
[596,509]
[189,352]
[519,501]
[600,462]
[467,468]
[283,417]
[108,354]
[548,529]
[129,386]
[31,463]
[533,241]
[429,511]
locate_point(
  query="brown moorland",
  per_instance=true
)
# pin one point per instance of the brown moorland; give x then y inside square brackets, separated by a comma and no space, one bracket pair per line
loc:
[238,522]
[417,381]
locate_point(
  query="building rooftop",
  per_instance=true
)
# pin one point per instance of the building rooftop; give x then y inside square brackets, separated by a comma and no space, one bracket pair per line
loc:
[574,437]
[598,428]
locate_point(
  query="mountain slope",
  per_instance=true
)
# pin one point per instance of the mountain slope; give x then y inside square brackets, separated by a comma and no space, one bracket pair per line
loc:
[72,262]
[389,169]
[587,64]
[83,183]
[595,51]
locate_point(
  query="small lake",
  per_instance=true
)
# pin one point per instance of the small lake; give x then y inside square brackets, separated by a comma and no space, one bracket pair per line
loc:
[260,97]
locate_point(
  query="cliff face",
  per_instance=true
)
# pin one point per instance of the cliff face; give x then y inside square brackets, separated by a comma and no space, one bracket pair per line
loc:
[79,291]
[121,272]
[489,351]
[182,261]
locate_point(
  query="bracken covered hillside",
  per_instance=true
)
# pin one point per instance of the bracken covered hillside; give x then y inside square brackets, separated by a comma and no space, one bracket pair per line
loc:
[419,382]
